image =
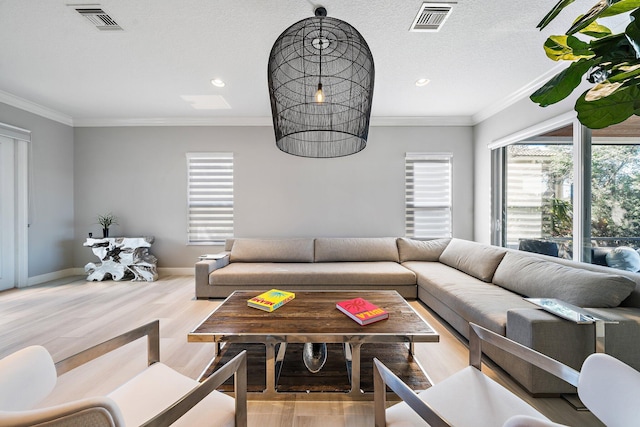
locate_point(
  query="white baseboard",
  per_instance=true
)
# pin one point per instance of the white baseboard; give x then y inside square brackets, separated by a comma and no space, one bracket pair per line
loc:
[61,274]
[177,271]
[70,272]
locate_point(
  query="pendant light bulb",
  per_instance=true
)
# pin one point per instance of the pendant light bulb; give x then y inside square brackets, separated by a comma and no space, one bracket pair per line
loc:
[319,94]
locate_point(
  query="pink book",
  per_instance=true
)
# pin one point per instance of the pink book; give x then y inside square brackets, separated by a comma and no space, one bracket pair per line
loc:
[362,311]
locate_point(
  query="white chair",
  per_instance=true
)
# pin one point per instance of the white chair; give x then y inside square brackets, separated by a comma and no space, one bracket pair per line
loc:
[606,386]
[157,396]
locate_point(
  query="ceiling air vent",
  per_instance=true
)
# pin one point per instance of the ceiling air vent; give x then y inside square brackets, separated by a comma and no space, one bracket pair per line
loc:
[99,18]
[431,16]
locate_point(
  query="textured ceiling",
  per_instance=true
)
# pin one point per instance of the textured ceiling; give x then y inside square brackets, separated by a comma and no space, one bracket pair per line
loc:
[171,49]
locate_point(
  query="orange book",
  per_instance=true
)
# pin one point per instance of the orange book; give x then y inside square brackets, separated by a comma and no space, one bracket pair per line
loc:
[362,311]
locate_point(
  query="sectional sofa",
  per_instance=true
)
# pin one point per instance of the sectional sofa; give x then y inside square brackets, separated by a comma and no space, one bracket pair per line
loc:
[460,280]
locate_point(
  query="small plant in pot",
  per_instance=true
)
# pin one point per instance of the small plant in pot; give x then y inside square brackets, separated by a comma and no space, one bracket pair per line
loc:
[107,221]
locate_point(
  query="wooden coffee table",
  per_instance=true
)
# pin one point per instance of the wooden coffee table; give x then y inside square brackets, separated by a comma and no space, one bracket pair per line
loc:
[312,317]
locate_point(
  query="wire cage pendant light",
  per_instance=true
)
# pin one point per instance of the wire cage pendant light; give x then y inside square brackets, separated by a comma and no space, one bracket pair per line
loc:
[320,78]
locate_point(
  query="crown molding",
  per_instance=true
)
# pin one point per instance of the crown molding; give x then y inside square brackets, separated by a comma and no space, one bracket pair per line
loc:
[261,121]
[400,121]
[537,129]
[516,96]
[32,107]
[173,121]
[422,121]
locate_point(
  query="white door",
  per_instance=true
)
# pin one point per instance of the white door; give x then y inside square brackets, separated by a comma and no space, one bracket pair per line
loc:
[7,214]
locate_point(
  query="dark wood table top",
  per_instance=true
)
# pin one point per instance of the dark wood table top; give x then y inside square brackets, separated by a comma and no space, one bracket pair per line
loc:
[312,317]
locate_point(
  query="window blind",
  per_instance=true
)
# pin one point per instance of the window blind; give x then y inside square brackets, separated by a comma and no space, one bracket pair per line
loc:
[428,195]
[210,198]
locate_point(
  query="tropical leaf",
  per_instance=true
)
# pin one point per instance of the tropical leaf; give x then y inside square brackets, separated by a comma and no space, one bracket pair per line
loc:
[622,72]
[553,13]
[633,32]
[563,83]
[612,109]
[596,30]
[567,48]
[619,7]
[612,48]
[589,17]
[601,90]
[610,61]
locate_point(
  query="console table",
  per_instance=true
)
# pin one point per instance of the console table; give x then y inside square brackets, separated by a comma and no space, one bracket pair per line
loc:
[122,258]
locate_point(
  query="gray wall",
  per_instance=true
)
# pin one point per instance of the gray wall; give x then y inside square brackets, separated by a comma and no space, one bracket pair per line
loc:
[139,174]
[517,117]
[51,230]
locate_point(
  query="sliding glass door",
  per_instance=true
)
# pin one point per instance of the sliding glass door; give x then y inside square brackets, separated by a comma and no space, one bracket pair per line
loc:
[570,192]
[539,193]
[615,192]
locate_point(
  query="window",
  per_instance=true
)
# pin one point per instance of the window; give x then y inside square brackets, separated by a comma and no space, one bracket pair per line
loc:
[428,195]
[615,189]
[569,191]
[210,198]
[539,193]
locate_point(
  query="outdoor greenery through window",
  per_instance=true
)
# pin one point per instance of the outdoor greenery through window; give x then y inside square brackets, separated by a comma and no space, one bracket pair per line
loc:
[540,208]
[539,184]
[428,195]
[615,194]
[210,198]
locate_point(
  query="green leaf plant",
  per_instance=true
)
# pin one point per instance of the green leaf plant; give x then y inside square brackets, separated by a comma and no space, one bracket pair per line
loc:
[611,62]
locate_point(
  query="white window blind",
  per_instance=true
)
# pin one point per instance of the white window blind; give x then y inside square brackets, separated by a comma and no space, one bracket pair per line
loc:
[428,195]
[210,198]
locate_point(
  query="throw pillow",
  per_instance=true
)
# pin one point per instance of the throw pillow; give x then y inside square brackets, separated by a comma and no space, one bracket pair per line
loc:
[623,258]
[418,250]
[475,259]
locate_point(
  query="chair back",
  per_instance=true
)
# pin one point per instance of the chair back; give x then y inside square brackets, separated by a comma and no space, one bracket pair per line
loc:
[26,377]
[609,389]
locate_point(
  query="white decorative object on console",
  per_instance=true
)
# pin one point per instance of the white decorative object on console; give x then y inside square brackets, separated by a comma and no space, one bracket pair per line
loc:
[122,257]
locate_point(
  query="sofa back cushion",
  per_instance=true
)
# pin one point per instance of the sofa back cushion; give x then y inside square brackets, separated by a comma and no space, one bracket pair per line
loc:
[475,259]
[537,278]
[272,250]
[418,250]
[356,249]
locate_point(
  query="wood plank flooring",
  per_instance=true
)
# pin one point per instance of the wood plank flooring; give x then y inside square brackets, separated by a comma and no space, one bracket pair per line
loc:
[71,314]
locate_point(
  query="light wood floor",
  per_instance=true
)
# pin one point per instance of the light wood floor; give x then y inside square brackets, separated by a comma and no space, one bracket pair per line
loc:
[68,315]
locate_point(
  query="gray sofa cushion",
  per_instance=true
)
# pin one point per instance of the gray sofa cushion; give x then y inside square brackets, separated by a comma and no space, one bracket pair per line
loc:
[537,278]
[356,249]
[417,250]
[475,259]
[272,250]
[340,274]
[474,300]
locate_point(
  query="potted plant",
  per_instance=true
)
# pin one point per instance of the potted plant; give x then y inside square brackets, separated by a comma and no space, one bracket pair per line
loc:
[610,61]
[107,221]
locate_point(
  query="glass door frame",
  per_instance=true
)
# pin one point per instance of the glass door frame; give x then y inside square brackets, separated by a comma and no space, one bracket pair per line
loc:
[581,176]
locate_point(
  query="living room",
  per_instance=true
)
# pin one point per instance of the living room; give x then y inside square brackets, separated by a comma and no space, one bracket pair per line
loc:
[86,160]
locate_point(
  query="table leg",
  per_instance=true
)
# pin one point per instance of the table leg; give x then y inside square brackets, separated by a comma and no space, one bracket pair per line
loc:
[355,369]
[600,341]
[270,379]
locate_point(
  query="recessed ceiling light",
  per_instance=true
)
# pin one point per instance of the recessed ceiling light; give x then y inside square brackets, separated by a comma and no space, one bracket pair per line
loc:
[217,83]
[422,82]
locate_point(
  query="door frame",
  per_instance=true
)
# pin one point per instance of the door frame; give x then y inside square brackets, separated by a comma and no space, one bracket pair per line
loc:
[22,145]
